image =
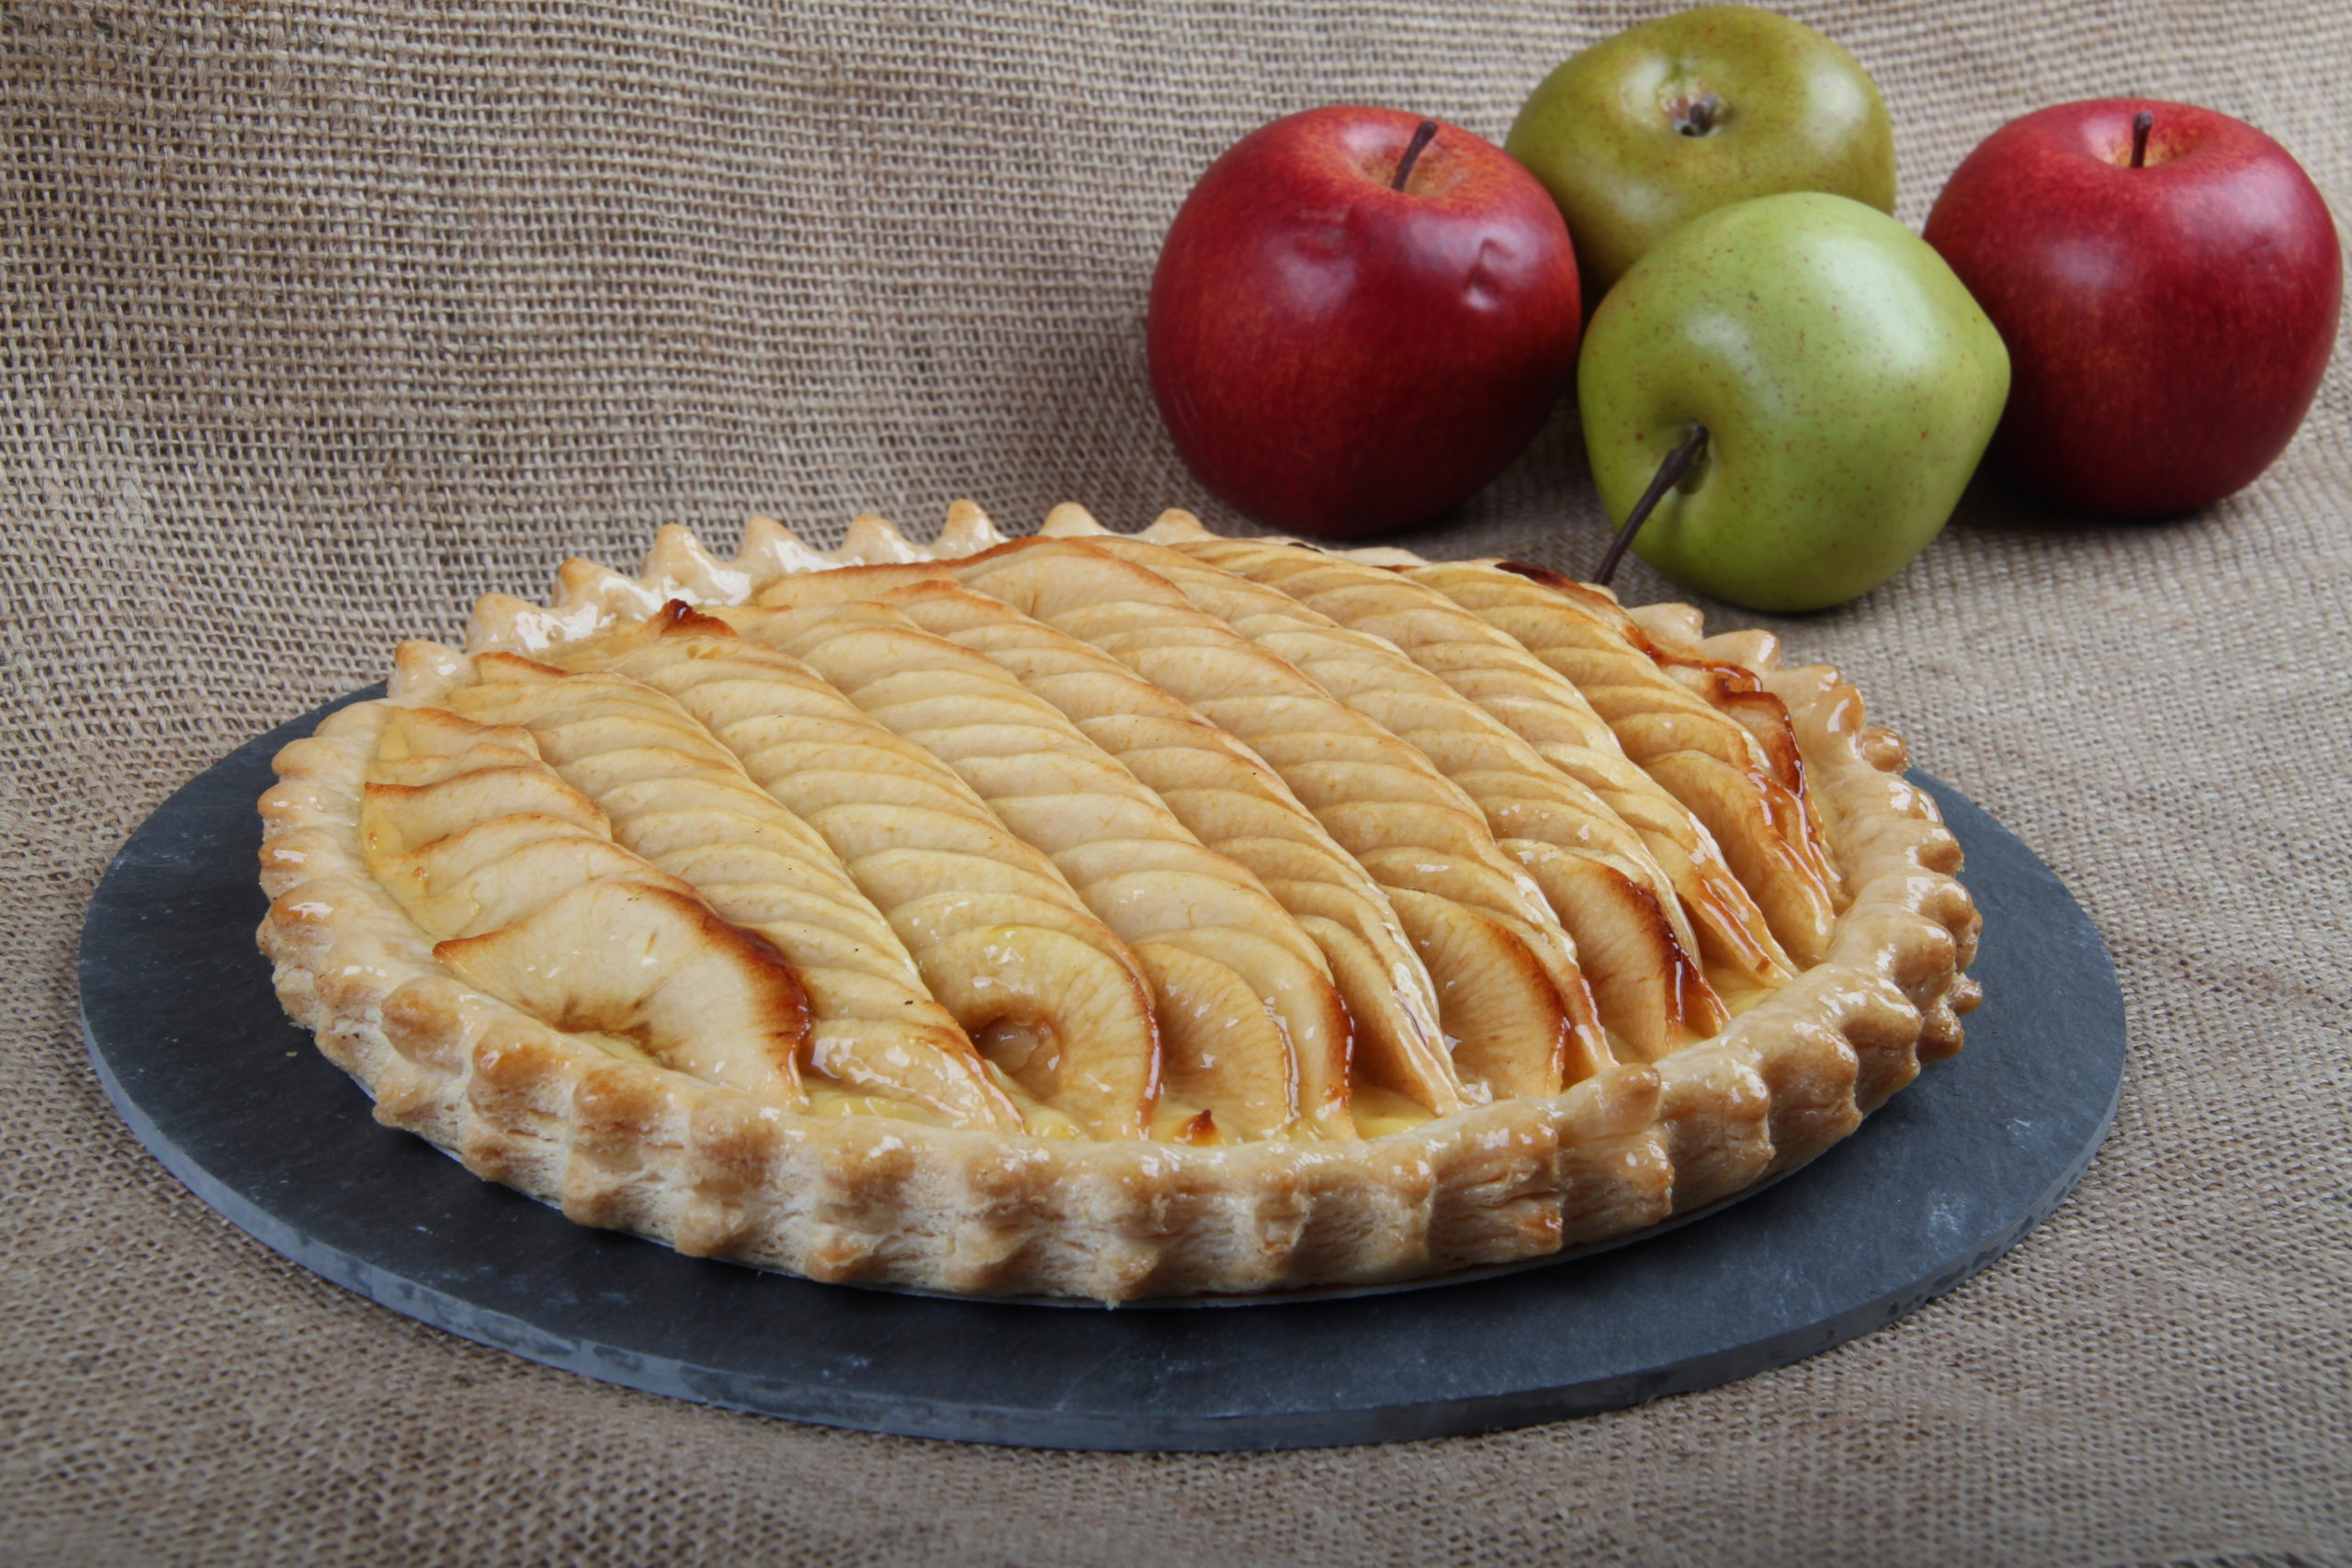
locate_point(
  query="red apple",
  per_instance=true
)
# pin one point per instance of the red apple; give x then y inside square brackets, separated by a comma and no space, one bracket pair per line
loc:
[1342,352]
[2169,321]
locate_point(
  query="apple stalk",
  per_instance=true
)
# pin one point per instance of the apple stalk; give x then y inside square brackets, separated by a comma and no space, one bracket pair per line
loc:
[1695,117]
[1669,474]
[1423,135]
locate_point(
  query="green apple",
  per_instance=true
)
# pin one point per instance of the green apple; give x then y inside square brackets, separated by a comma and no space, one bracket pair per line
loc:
[1846,381]
[1653,126]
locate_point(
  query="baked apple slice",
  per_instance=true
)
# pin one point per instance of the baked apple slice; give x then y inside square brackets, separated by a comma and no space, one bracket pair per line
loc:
[1592,869]
[1725,777]
[1720,924]
[1130,860]
[654,969]
[1369,790]
[1040,985]
[875,1031]
[1233,802]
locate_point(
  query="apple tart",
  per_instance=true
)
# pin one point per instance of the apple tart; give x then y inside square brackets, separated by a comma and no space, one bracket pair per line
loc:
[1112,916]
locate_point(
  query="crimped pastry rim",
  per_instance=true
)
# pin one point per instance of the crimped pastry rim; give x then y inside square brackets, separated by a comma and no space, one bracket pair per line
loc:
[710,1171]
[1340,1290]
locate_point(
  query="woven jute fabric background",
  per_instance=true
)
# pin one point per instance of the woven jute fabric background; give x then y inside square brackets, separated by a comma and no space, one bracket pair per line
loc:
[321,319]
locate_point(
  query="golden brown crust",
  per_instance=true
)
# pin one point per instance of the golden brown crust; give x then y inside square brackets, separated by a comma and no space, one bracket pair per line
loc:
[715,1170]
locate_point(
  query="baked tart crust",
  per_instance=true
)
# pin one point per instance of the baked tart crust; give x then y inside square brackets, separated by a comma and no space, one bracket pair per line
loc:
[1111,917]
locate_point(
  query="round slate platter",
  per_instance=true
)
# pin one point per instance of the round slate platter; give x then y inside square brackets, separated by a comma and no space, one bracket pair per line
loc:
[235,1100]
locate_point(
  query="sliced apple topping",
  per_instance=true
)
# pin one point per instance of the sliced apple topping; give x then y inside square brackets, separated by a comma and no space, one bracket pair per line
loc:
[677,798]
[1723,682]
[1046,991]
[1592,869]
[1720,771]
[1234,803]
[399,816]
[1128,856]
[655,968]
[480,848]
[515,873]
[1377,796]
[1195,839]
[1715,920]
[1229,1050]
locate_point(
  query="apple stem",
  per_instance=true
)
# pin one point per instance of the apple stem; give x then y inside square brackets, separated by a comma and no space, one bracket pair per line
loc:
[1422,135]
[1669,473]
[2142,123]
[1695,118]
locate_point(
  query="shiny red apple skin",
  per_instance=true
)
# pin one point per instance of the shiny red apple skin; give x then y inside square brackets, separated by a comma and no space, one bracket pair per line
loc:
[2167,325]
[1338,358]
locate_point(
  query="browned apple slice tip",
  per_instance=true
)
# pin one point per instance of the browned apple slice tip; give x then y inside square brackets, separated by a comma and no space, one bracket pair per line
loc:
[1070,1024]
[1399,1043]
[1647,992]
[1736,807]
[1224,1048]
[1298,994]
[1511,1031]
[893,1066]
[657,969]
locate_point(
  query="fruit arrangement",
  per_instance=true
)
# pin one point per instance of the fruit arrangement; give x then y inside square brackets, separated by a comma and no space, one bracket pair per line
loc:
[1361,316]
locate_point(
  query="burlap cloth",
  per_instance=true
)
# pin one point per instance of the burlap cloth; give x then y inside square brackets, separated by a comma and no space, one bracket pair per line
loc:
[318,324]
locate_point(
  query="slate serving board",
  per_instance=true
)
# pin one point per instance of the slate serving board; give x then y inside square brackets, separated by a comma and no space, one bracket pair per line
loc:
[234,1100]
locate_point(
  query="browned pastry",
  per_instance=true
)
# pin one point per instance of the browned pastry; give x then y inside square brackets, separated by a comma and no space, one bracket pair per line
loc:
[1108,916]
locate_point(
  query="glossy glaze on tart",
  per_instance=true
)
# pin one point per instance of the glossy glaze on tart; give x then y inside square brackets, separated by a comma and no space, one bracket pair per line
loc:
[1112,916]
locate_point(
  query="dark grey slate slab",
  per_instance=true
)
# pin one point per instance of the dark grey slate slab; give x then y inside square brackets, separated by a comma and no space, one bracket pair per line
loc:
[194,1053]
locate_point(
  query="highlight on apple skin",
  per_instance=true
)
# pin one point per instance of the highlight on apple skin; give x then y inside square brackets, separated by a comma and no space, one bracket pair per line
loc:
[2170,320]
[1340,351]
[1847,382]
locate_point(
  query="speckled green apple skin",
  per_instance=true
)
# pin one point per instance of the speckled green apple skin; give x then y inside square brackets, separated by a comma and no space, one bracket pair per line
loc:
[1848,382]
[1799,114]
